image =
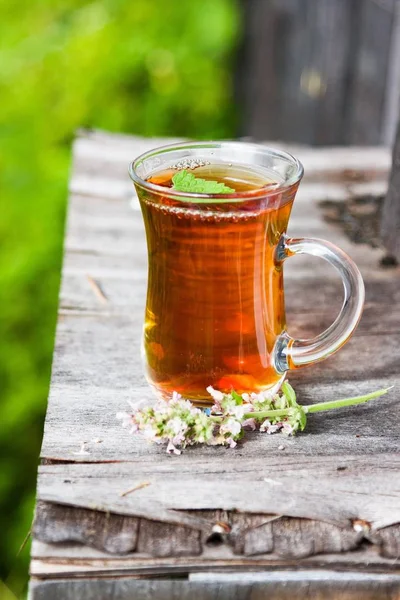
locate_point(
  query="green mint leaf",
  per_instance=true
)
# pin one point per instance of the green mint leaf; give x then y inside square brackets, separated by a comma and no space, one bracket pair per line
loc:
[238,399]
[289,393]
[183,181]
[302,418]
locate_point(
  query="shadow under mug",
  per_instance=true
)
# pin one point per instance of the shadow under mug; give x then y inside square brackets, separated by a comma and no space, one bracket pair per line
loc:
[215,311]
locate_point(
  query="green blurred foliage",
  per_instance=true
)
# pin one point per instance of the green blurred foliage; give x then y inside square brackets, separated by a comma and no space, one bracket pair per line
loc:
[147,67]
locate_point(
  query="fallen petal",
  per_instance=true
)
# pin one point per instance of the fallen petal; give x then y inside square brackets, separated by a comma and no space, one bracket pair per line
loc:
[250,424]
[171,449]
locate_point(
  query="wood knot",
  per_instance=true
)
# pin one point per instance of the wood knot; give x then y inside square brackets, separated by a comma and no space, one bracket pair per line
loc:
[354,175]
[388,261]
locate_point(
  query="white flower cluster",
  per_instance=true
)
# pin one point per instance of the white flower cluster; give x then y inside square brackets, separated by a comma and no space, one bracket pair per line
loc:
[178,423]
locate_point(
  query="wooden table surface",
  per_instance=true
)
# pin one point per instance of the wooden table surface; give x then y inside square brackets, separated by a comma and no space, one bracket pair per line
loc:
[320,516]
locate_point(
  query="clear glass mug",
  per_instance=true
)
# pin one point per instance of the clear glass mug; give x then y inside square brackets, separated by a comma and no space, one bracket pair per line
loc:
[215,311]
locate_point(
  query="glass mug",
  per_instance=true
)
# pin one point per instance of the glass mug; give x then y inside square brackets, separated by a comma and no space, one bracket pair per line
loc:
[215,311]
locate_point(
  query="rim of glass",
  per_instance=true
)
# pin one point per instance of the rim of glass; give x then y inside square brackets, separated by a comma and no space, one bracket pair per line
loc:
[268,189]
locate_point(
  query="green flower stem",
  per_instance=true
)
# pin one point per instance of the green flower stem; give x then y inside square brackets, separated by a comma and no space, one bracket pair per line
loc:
[264,414]
[197,427]
[261,414]
[311,408]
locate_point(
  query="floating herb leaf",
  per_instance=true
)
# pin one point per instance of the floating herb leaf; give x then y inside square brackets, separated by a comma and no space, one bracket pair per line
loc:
[183,181]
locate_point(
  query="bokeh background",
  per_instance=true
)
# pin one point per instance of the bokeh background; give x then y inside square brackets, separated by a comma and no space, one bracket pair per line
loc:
[143,66]
[309,71]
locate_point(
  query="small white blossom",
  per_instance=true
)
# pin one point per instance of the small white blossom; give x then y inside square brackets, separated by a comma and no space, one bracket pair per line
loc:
[150,433]
[231,426]
[249,424]
[239,411]
[264,425]
[178,423]
[274,428]
[264,396]
[126,419]
[177,428]
[270,427]
[215,394]
[229,405]
[138,404]
[287,428]
[280,402]
[171,449]
[187,405]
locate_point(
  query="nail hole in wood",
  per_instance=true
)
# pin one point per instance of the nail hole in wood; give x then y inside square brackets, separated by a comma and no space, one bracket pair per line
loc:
[218,534]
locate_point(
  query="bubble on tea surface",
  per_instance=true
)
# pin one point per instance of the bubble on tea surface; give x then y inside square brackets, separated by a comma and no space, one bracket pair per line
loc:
[189,163]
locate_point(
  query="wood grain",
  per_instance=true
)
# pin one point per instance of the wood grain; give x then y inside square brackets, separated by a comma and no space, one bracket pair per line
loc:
[275,586]
[391,207]
[327,499]
[317,71]
[370,63]
[334,488]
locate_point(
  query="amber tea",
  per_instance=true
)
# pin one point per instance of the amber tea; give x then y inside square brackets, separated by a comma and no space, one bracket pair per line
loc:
[215,299]
[215,311]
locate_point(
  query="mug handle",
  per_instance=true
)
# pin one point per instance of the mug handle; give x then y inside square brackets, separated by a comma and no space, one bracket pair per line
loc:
[290,353]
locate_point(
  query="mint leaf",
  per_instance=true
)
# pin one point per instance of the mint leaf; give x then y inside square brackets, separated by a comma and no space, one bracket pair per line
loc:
[183,181]
[237,398]
[289,393]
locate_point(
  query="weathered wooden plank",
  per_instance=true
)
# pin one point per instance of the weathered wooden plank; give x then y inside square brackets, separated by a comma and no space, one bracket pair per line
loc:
[116,190]
[303,320]
[97,360]
[352,432]
[389,538]
[126,290]
[324,79]
[100,152]
[391,207]
[297,52]
[130,297]
[116,234]
[106,531]
[297,538]
[318,72]
[308,311]
[76,560]
[83,343]
[279,484]
[93,422]
[366,97]
[278,585]
[318,487]
[391,110]
[112,256]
